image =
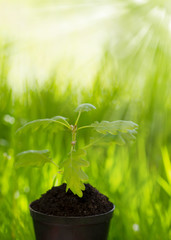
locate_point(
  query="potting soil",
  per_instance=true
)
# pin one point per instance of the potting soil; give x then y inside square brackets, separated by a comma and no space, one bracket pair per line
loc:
[58,202]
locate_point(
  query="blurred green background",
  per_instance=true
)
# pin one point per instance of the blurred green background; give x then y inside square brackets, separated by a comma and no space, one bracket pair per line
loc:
[116,55]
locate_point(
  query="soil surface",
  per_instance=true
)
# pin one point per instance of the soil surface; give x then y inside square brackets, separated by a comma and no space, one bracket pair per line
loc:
[58,202]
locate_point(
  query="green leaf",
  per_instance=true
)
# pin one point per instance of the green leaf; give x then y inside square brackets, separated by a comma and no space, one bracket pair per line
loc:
[117,131]
[44,124]
[85,107]
[81,162]
[79,153]
[73,174]
[114,127]
[60,118]
[117,139]
[32,158]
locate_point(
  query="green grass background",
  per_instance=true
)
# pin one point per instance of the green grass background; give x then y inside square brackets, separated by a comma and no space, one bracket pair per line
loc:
[132,81]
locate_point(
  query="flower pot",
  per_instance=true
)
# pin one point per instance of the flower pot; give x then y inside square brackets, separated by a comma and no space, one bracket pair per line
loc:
[71,228]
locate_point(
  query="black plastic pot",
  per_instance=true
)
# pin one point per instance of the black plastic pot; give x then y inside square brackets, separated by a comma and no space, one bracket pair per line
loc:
[71,228]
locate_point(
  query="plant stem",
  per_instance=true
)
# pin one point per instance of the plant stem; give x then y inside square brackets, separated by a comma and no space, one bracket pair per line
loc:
[89,145]
[73,142]
[63,124]
[84,127]
[74,134]
[76,122]
[54,164]
[67,123]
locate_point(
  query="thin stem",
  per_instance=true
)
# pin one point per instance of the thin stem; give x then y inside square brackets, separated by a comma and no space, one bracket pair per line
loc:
[76,122]
[54,163]
[67,123]
[92,143]
[74,134]
[84,127]
[63,124]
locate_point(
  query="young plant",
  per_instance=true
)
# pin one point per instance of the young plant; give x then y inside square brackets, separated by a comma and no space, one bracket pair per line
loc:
[73,175]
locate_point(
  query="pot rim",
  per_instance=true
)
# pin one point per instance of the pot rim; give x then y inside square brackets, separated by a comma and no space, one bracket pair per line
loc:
[74,220]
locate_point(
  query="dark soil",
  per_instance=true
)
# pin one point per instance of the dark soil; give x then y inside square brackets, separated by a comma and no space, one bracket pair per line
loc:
[58,202]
